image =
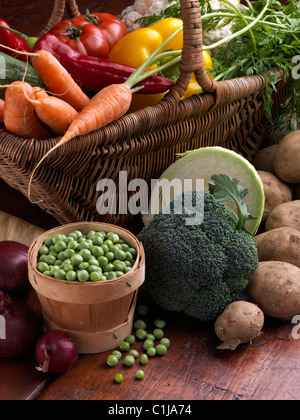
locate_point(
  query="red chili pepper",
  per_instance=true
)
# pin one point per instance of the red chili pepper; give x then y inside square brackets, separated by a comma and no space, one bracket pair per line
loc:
[93,73]
[13,41]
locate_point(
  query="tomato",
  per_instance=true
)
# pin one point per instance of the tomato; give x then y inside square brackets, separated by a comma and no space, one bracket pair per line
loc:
[91,34]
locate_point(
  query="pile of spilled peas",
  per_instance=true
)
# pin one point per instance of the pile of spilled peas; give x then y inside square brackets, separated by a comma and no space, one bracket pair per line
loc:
[151,346]
[96,256]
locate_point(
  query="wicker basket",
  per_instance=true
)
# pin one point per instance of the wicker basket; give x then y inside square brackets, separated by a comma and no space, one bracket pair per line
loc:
[143,143]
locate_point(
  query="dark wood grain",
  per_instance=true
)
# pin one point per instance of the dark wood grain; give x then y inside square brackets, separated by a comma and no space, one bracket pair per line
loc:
[192,369]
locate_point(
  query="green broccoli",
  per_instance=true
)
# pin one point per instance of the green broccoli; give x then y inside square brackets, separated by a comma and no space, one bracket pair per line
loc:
[198,269]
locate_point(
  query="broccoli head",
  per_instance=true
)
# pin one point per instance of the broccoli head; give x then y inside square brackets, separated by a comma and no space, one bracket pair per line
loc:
[197,269]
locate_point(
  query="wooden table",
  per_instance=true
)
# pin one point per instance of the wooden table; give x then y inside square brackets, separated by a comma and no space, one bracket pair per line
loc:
[192,369]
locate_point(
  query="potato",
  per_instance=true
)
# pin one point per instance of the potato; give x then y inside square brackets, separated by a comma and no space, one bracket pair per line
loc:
[281,244]
[275,288]
[287,158]
[286,214]
[274,138]
[264,159]
[240,323]
[276,192]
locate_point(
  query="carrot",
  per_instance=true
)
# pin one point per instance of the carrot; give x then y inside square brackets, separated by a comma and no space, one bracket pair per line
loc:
[56,78]
[19,116]
[39,92]
[54,112]
[1,111]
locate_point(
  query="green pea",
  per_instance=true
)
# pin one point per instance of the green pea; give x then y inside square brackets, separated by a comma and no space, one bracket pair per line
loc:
[68,253]
[151,351]
[124,346]
[76,259]
[114,249]
[134,353]
[160,323]
[58,262]
[140,374]
[129,360]
[142,309]
[124,247]
[119,378]
[127,269]
[109,267]
[42,267]
[67,267]
[148,343]
[120,255]
[83,266]
[61,256]
[119,265]
[48,242]
[49,259]
[165,342]
[139,324]
[112,360]
[131,339]
[54,253]
[72,245]
[119,273]
[57,237]
[60,274]
[53,268]
[97,240]
[161,349]
[102,277]
[144,359]
[117,353]
[110,256]
[129,256]
[44,250]
[150,337]
[103,261]
[83,276]
[114,237]
[47,273]
[95,276]
[93,261]
[72,236]
[133,252]
[71,276]
[141,334]
[158,333]
[84,245]
[91,234]
[108,242]
[60,246]
[97,251]
[105,248]
[111,275]
[86,254]
[78,233]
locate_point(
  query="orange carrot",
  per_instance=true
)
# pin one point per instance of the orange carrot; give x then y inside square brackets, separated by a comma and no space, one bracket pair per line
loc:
[19,116]
[39,92]
[54,112]
[1,111]
[56,78]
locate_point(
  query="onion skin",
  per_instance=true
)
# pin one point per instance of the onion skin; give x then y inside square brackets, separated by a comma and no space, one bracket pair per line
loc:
[14,268]
[55,352]
[20,336]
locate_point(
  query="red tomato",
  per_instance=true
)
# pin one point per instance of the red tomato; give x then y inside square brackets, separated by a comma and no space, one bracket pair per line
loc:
[93,35]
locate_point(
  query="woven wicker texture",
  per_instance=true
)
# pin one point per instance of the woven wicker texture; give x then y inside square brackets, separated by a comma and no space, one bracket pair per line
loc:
[143,143]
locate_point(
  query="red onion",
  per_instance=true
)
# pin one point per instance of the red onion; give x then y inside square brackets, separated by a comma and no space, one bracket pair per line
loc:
[17,336]
[13,268]
[55,352]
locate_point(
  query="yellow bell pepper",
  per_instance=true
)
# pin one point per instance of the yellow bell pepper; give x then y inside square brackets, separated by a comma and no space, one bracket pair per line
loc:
[135,47]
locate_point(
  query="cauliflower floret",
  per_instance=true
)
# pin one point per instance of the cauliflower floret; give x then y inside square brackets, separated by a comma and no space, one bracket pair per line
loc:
[129,17]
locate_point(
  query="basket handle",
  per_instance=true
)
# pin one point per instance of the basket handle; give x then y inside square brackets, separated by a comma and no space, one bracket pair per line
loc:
[58,13]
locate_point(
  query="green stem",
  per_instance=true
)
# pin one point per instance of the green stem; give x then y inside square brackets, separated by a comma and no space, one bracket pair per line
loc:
[245,21]
[31,40]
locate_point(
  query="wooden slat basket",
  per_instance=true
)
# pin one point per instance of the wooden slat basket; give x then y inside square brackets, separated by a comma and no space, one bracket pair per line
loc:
[97,315]
[143,143]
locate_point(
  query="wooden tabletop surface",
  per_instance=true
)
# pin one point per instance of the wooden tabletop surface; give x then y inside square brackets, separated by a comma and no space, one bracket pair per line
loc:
[192,369]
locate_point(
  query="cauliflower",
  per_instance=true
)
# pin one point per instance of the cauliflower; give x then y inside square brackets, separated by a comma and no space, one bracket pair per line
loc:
[142,8]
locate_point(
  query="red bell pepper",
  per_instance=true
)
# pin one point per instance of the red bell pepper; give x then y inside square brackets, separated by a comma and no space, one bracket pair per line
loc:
[93,73]
[12,40]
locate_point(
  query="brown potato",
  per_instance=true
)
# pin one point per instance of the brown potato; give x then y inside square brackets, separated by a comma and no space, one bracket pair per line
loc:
[287,158]
[240,323]
[281,244]
[276,192]
[286,214]
[264,159]
[275,288]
